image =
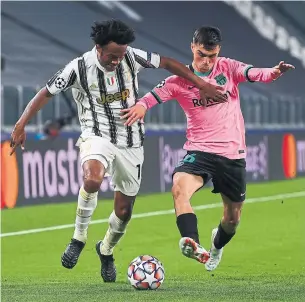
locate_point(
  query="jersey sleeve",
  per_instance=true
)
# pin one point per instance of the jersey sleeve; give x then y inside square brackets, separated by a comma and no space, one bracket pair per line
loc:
[165,91]
[63,79]
[240,71]
[144,59]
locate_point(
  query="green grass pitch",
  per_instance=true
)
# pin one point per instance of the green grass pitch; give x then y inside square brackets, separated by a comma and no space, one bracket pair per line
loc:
[264,262]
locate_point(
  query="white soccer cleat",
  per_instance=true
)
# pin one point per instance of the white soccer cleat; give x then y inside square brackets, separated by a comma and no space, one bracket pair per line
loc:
[191,249]
[215,254]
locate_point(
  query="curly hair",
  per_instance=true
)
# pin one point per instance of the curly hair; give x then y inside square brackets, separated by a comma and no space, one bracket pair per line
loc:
[112,31]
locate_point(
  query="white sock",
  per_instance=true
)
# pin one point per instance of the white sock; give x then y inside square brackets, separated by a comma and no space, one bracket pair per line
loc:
[114,233]
[86,205]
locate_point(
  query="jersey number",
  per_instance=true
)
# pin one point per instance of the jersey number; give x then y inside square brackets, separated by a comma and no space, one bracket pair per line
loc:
[139,171]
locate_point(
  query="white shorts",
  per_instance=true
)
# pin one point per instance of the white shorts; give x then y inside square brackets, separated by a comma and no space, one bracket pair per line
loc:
[124,165]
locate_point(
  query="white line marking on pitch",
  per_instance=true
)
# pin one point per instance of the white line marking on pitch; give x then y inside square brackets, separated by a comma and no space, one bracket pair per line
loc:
[157,213]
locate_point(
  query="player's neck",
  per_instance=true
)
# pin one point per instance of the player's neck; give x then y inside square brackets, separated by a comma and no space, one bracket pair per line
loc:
[200,73]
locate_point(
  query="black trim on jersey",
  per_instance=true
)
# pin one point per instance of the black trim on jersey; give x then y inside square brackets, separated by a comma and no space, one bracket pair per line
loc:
[156,97]
[54,77]
[144,63]
[247,75]
[112,125]
[131,66]
[191,68]
[84,84]
[72,79]
[122,86]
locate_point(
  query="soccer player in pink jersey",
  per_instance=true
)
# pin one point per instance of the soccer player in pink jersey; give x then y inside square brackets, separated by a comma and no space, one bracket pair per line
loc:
[215,145]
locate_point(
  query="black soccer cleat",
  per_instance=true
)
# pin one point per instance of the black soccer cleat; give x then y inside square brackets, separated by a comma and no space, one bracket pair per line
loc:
[108,269]
[70,256]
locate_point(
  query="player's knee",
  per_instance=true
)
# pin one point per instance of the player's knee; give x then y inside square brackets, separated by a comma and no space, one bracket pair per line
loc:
[123,205]
[92,184]
[124,213]
[231,225]
[177,191]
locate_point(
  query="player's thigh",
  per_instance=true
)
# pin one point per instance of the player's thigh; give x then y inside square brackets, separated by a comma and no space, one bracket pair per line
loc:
[185,185]
[230,179]
[127,174]
[191,173]
[96,157]
[232,209]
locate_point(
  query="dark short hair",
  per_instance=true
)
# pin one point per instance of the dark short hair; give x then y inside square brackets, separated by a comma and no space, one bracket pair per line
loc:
[207,36]
[112,31]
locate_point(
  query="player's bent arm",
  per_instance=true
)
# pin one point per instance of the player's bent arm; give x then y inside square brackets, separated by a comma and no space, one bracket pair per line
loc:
[181,70]
[38,101]
[164,91]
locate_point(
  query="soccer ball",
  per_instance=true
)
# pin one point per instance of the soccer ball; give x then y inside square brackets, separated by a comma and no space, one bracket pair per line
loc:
[146,272]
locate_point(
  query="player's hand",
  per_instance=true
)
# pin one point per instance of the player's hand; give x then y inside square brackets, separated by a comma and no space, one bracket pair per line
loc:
[279,69]
[210,91]
[18,138]
[133,114]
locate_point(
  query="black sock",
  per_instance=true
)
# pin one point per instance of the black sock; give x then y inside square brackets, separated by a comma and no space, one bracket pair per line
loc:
[187,225]
[222,238]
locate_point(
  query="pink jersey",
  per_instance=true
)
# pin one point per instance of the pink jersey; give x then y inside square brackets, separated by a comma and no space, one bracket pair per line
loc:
[217,127]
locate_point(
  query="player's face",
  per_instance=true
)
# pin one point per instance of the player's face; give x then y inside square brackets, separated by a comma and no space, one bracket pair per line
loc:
[111,55]
[203,59]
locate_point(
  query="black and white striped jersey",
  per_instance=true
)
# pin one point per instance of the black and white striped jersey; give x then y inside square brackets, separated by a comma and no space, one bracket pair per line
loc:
[100,95]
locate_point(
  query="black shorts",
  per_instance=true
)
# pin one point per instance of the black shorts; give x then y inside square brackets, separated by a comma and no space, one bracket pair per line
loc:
[228,175]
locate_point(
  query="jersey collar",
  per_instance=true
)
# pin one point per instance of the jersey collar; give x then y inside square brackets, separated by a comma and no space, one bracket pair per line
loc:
[198,73]
[98,64]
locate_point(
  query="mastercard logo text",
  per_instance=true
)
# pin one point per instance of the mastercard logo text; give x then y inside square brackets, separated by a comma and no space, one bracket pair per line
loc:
[289,156]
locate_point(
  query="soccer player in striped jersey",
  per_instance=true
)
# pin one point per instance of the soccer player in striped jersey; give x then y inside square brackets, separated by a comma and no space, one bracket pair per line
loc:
[104,81]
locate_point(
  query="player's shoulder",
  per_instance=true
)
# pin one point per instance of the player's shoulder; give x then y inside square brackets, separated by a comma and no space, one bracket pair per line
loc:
[135,51]
[131,50]
[169,82]
[227,61]
[174,79]
[87,58]
[224,61]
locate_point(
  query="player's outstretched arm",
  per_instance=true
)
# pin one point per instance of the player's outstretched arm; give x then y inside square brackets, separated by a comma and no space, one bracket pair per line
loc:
[165,91]
[206,89]
[267,75]
[18,135]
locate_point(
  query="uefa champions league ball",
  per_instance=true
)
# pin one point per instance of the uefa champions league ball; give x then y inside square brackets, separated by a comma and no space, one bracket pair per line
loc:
[146,272]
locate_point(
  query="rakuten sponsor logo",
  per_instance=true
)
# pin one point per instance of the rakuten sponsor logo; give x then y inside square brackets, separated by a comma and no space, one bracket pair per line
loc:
[257,159]
[54,173]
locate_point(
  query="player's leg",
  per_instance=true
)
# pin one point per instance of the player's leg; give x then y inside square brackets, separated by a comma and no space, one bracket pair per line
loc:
[118,221]
[184,186]
[232,187]
[224,232]
[94,167]
[87,200]
[127,179]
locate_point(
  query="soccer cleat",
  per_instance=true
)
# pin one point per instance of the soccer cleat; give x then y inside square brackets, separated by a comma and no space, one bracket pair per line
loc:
[215,254]
[191,249]
[70,256]
[108,269]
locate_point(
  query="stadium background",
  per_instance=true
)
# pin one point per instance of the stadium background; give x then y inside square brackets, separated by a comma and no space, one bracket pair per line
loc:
[38,38]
